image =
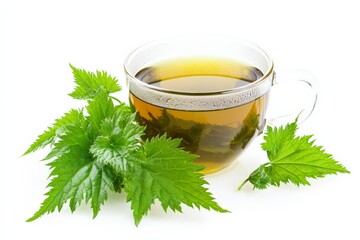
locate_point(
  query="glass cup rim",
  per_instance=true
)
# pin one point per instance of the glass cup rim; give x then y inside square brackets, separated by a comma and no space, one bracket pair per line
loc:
[254,84]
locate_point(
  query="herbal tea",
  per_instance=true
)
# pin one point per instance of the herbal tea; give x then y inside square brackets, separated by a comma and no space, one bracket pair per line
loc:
[217,136]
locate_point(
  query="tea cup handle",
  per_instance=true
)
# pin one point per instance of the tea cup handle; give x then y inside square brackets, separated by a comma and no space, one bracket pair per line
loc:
[298,85]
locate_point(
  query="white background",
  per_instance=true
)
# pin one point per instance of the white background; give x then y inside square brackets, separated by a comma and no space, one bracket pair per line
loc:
[40,38]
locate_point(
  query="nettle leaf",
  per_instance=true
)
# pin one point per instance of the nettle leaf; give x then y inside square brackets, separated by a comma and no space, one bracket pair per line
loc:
[120,135]
[50,135]
[300,159]
[89,84]
[76,176]
[292,159]
[276,137]
[99,108]
[249,126]
[163,171]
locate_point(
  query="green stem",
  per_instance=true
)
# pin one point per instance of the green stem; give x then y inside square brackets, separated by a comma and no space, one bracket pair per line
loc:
[117,100]
[239,188]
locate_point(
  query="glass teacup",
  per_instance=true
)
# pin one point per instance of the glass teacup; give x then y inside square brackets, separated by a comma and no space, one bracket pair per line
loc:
[212,93]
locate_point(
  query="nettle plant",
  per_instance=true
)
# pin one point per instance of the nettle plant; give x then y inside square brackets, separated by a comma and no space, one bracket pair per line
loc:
[101,148]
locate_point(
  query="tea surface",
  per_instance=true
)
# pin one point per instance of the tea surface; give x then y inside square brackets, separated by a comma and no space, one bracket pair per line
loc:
[199,75]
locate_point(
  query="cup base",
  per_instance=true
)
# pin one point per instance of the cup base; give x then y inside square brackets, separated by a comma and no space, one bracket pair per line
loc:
[210,170]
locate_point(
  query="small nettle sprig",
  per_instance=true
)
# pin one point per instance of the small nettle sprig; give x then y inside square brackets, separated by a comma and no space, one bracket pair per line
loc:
[291,159]
[100,149]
